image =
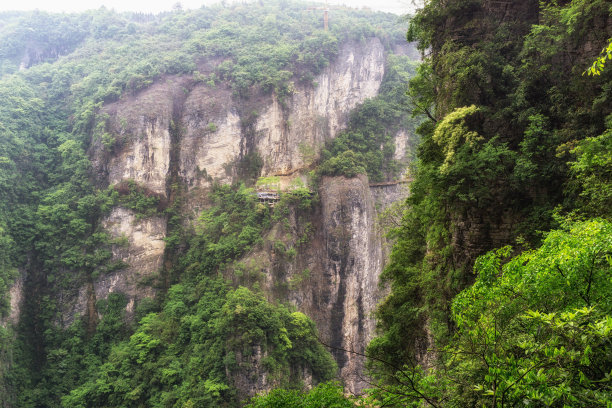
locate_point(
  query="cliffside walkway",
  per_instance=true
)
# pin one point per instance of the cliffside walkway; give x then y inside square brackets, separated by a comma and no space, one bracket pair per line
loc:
[271,196]
[390,183]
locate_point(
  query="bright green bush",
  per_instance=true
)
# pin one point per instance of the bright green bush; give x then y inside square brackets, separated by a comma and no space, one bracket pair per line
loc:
[188,352]
[327,395]
[533,330]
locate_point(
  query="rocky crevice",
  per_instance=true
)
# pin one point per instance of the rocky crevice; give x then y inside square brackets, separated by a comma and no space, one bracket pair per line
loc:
[333,277]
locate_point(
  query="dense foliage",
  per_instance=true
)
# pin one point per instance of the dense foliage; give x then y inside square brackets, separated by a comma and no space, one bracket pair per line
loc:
[534,329]
[186,354]
[57,72]
[191,350]
[518,143]
[493,161]
[322,396]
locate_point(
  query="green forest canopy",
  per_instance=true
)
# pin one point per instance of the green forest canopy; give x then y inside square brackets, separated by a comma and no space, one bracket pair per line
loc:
[516,156]
[57,70]
[518,140]
[502,264]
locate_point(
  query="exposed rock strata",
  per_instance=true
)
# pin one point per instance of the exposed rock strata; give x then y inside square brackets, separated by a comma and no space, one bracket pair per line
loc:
[143,252]
[141,129]
[353,265]
[15,293]
[214,130]
[140,245]
[315,115]
[286,134]
[182,131]
[334,276]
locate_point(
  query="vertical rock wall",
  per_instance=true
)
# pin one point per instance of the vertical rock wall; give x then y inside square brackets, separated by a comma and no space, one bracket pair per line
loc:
[314,115]
[16,293]
[179,130]
[334,276]
[140,126]
[352,267]
[286,134]
[142,251]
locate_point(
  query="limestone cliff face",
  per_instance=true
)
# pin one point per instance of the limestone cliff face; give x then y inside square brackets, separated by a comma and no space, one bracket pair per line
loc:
[141,129]
[212,136]
[215,132]
[140,247]
[283,135]
[142,251]
[334,276]
[187,132]
[287,134]
[352,267]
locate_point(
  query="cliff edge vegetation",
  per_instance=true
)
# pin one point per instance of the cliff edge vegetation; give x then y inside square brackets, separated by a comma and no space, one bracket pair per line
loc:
[500,273]
[501,265]
[186,333]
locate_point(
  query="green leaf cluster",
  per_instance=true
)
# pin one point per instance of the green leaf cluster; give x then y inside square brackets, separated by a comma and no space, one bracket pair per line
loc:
[324,395]
[57,71]
[227,230]
[189,353]
[514,132]
[515,136]
[592,173]
[600,62]
[534,329]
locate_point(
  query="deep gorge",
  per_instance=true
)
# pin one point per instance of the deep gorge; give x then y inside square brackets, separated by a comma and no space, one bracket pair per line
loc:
[239,206]
[166,160]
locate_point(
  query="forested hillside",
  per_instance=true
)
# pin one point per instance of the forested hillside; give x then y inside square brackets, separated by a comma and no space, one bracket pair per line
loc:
[500,272]
[156,277]
[191,207]
[516,158]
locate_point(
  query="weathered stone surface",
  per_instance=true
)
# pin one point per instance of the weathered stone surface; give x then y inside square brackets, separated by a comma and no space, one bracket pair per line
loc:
[334,276]
[16,294]
[402,145]
[141,128]
[143,253]
[212,136]
[286,135]
[195,134]
[353,265]
[141,247]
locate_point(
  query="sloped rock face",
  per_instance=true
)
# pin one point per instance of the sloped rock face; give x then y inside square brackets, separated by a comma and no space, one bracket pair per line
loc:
[213,132]
[284,135]
[190,133]
[334,276]
[141,129]
[142,250]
